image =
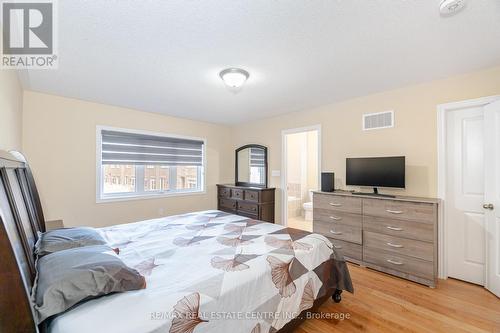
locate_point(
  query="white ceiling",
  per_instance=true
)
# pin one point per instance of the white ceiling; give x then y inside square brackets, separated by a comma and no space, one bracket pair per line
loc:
[165,56]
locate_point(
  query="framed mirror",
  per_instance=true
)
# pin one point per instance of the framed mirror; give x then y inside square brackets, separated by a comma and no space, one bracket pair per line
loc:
[251,166]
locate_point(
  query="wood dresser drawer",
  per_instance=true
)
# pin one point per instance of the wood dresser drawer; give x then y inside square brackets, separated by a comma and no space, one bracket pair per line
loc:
[337,203]
[402,210]
[249,208]
[253,202]
[326,215]
[398,245]
[396,235]
[224,192]
[338,231]
[348,250]
[227,204]
[236,193]
[247,214]
[400,263]
[400,228]
[251,195]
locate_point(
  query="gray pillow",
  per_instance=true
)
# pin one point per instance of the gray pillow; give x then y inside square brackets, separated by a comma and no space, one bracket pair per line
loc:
[67,277]
[67,238]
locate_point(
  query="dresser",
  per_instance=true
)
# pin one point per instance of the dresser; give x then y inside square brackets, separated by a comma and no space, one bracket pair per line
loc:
[397,235]
[253,202]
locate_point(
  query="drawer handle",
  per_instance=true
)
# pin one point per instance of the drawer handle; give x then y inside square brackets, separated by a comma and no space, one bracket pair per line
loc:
[335,204]
[335,218]
[394,228]
[337,246]
[394,211]
[394,262]
[336,232]
[395,245]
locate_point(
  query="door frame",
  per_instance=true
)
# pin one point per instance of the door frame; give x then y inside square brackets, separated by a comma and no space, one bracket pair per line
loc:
[284,150]
[442,111]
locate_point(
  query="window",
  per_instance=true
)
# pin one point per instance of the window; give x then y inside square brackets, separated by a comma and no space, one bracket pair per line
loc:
[135,164]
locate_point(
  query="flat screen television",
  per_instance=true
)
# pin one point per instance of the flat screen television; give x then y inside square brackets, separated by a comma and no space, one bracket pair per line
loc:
[376,172]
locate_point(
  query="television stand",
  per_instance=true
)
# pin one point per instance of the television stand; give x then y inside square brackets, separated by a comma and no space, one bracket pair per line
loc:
[374,194]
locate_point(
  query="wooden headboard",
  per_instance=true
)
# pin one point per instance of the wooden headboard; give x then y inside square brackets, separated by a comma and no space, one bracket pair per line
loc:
[21,217]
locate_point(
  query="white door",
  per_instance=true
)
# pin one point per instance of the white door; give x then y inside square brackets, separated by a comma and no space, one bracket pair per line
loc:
[492,196]
[465,195]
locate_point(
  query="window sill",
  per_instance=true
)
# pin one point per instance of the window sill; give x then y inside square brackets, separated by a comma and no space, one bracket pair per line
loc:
[147,196]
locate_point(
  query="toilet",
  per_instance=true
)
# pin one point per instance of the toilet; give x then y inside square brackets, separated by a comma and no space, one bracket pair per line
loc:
[308,207]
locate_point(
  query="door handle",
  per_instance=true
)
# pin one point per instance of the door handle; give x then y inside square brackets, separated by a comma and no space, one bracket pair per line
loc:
[335,218]
[336,232]
[395,245]
[335,204]
[489,206]
[394,262]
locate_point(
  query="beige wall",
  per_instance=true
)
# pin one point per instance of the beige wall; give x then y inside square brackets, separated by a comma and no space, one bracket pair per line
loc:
[59,140]
[414,135]
[297,148]
[10,110]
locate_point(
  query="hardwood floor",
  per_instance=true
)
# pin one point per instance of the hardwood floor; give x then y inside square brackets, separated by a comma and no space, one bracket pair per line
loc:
[299,222]
[382,303]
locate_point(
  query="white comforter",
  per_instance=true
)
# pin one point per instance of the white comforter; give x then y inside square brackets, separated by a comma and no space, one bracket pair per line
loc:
[206,272]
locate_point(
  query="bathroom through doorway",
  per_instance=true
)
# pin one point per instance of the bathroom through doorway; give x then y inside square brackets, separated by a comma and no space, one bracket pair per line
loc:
[300,170]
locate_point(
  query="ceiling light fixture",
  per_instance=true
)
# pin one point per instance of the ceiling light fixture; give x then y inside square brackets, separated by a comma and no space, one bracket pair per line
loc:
[450,7]
[234,78]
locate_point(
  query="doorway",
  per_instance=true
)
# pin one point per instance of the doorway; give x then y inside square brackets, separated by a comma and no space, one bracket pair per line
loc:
[300,175]
[469,183]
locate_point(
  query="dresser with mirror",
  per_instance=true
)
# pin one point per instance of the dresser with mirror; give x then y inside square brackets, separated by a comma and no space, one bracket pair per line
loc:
[249,196]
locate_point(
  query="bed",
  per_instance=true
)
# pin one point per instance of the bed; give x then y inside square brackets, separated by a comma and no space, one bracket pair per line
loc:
[206,271]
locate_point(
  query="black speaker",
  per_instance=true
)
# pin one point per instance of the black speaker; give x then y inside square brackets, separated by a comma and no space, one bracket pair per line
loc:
[327,182]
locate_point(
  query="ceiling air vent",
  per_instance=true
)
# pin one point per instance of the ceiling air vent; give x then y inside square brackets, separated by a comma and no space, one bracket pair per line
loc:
[378,120]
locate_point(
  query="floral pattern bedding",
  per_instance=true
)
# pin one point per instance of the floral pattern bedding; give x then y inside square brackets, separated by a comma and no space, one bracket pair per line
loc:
[211,271]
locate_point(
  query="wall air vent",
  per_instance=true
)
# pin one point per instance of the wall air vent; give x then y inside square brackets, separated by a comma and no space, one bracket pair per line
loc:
[378,120]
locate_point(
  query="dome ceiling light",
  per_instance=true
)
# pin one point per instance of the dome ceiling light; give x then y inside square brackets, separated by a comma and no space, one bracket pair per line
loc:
[234,78]
[451,7]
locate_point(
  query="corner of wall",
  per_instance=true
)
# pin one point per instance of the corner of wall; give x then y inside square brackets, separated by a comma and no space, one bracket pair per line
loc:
[11,95]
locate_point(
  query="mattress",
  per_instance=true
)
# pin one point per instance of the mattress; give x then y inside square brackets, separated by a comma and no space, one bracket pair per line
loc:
[211,271]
